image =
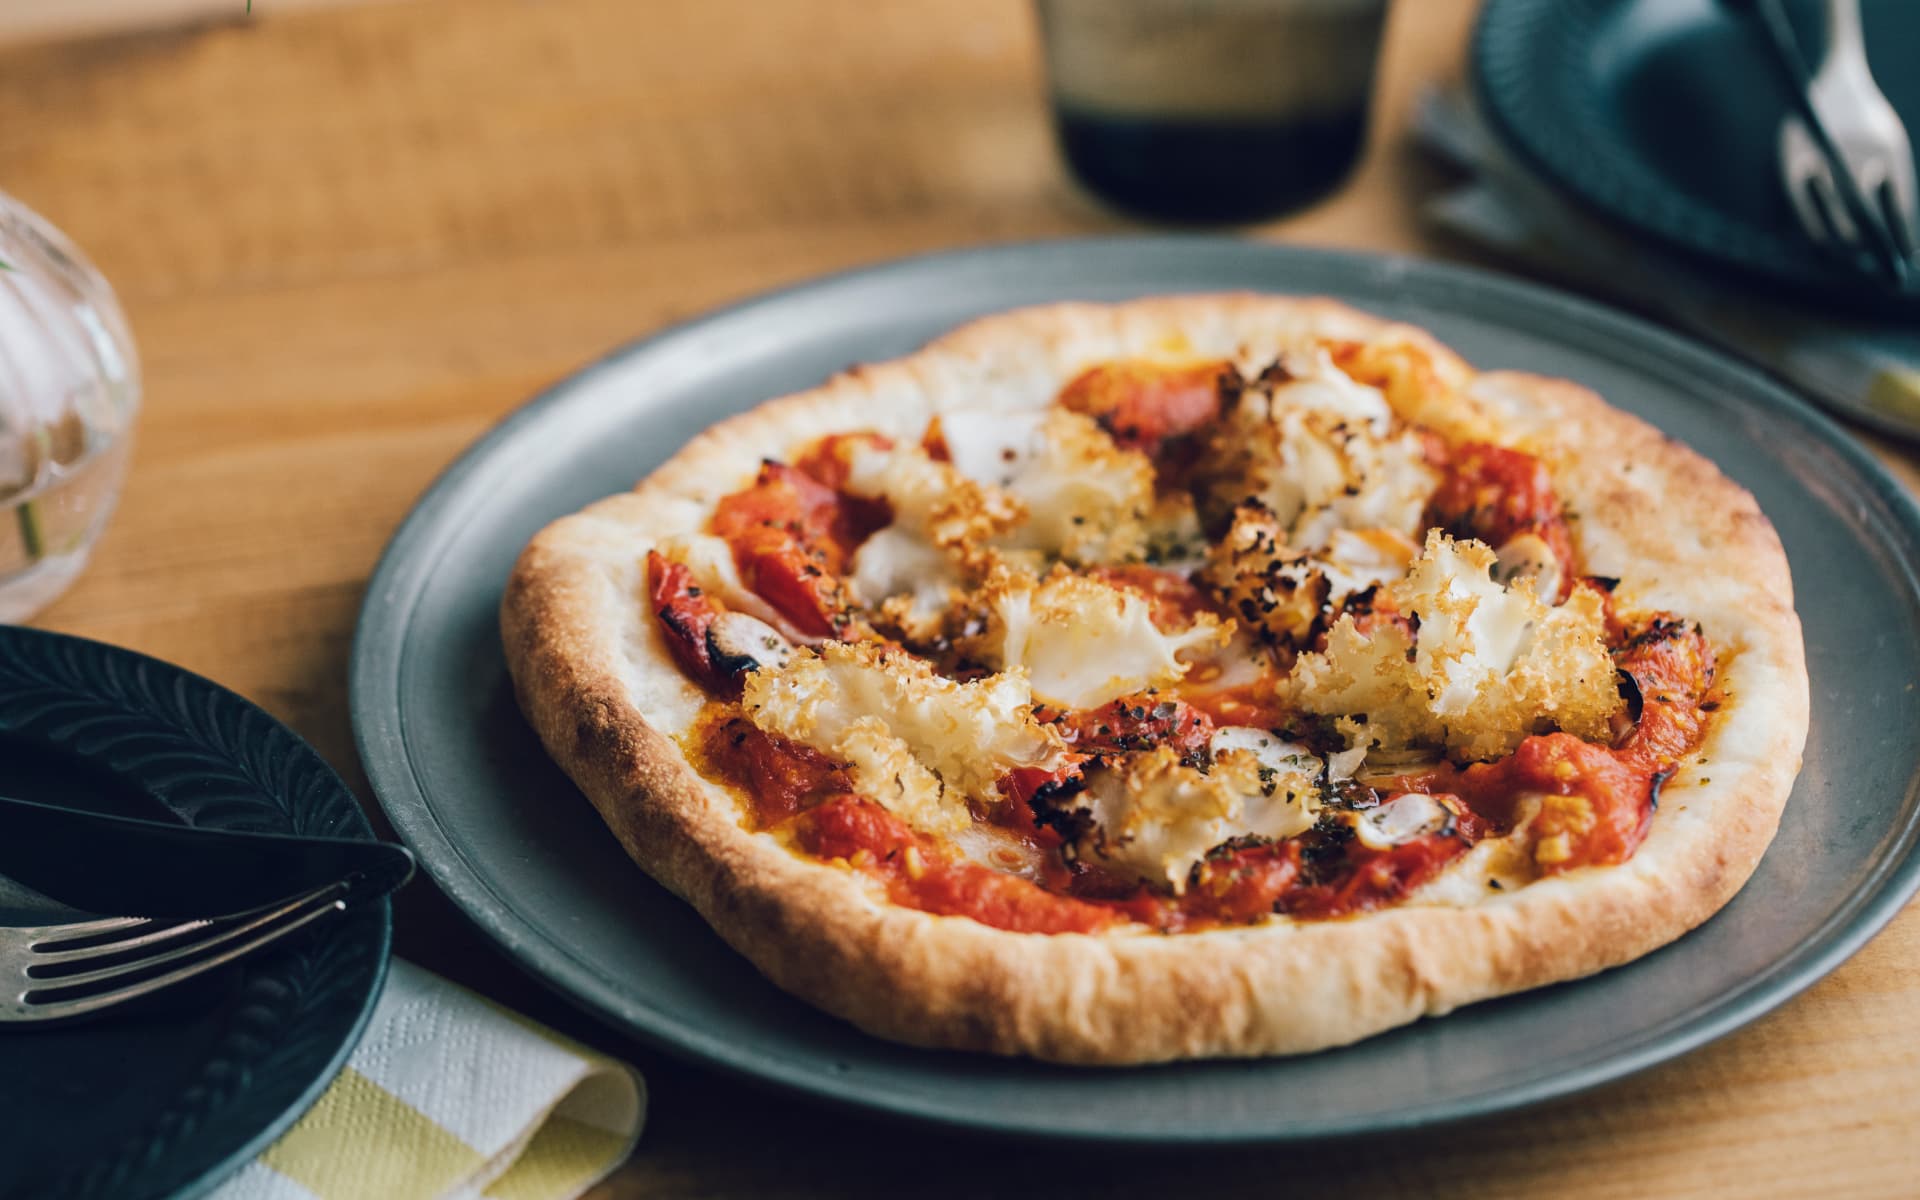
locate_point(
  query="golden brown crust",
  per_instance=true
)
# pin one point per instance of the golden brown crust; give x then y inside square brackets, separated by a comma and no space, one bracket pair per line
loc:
[607,702]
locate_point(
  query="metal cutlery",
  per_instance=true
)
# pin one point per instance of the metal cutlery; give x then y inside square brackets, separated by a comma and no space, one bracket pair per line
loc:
[207,897]
[1845,157]
[1866,131]
[50,972]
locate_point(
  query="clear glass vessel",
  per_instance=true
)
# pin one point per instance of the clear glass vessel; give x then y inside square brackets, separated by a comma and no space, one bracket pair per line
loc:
[69,391]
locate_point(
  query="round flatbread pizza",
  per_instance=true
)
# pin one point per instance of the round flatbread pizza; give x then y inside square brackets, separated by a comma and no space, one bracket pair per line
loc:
[1209,675]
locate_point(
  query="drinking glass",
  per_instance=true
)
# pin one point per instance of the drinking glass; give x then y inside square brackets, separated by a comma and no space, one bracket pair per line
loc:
[1208,111]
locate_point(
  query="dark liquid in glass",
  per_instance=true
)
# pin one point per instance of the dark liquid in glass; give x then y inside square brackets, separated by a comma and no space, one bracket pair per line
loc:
[1209,170]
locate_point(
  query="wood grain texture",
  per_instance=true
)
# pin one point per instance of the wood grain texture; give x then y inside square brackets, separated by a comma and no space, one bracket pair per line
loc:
[350,239]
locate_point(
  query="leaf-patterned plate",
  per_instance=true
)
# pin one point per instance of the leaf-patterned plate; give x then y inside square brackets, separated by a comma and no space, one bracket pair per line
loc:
[167,1097]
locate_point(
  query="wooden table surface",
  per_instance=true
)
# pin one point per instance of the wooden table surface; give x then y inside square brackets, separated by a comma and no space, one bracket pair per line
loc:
[350,239]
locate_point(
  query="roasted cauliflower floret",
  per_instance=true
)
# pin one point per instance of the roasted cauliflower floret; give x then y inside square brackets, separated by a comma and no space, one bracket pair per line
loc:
[1488,666]
[910,570]
[1319,452]
[918,743]
[1290,594]
[1155,817]
[1080,641]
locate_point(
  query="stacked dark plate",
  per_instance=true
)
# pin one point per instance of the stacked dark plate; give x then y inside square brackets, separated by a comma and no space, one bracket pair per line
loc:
[1663,116]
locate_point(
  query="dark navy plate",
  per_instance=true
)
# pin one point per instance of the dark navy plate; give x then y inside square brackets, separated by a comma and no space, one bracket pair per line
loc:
[167,1097]
[504,833]
[1663,115]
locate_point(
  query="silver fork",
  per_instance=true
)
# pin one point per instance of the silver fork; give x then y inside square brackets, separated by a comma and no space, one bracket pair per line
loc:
[1824,214]
[1868,207]
[1867,132]
[48,972]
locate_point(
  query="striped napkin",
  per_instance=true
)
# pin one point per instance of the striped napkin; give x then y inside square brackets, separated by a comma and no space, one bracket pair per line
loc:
[449,1096]
[1864,369]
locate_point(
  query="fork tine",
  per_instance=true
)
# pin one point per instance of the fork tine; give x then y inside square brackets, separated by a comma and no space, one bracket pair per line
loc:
[1901,209]
[160,933]
[1807,211]
[1826,194]
[51,935]
[53,1009]
[221,934]
[1800,165]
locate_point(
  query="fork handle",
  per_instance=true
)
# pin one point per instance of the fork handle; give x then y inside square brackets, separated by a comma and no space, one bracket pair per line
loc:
[1845,41]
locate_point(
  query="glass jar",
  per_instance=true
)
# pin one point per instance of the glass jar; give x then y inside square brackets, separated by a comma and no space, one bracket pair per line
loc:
[69,390]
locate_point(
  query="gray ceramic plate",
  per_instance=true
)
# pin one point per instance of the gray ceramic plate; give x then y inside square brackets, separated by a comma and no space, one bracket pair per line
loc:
[509,839]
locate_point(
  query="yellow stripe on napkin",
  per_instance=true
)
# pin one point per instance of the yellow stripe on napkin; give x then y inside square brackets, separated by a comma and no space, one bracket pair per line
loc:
[328,1152]
[448,1097]
[563,1159]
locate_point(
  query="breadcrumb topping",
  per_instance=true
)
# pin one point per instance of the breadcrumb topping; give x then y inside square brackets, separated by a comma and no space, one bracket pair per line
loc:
[1481,667]
[918,743]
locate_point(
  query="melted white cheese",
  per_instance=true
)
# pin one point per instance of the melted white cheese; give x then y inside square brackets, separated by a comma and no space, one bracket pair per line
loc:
[1399,820]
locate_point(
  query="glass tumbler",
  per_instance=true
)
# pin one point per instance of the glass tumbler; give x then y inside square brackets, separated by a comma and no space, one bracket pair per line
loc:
[1211,111]
[69,390]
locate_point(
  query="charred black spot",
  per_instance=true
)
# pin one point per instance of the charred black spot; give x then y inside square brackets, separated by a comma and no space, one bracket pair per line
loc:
[1323,851]
[1276,373]
[1654,785]
[1351,794]
[1052,810]
[1230,385]
[1661,629]
[1630,692]
[677,625]
[728,664]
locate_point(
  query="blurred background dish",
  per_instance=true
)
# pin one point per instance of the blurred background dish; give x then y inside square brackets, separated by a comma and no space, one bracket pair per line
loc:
[1664,115]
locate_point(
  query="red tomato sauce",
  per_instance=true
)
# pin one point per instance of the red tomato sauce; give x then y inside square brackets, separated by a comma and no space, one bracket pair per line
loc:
[1320,878]
[1146,406]
[1599,801]
[781,777]
[791,537]
[685,614]
[1138,722]
[1175,601]
[1495,494]
[1253,704]
[1673,668]
[796,786]
[920,874]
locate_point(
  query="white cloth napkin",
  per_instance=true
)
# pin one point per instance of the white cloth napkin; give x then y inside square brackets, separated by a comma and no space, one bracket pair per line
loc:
[449,1096]
[1864,369]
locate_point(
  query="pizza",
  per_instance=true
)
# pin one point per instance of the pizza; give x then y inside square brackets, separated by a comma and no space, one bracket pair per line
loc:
[1207,675]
